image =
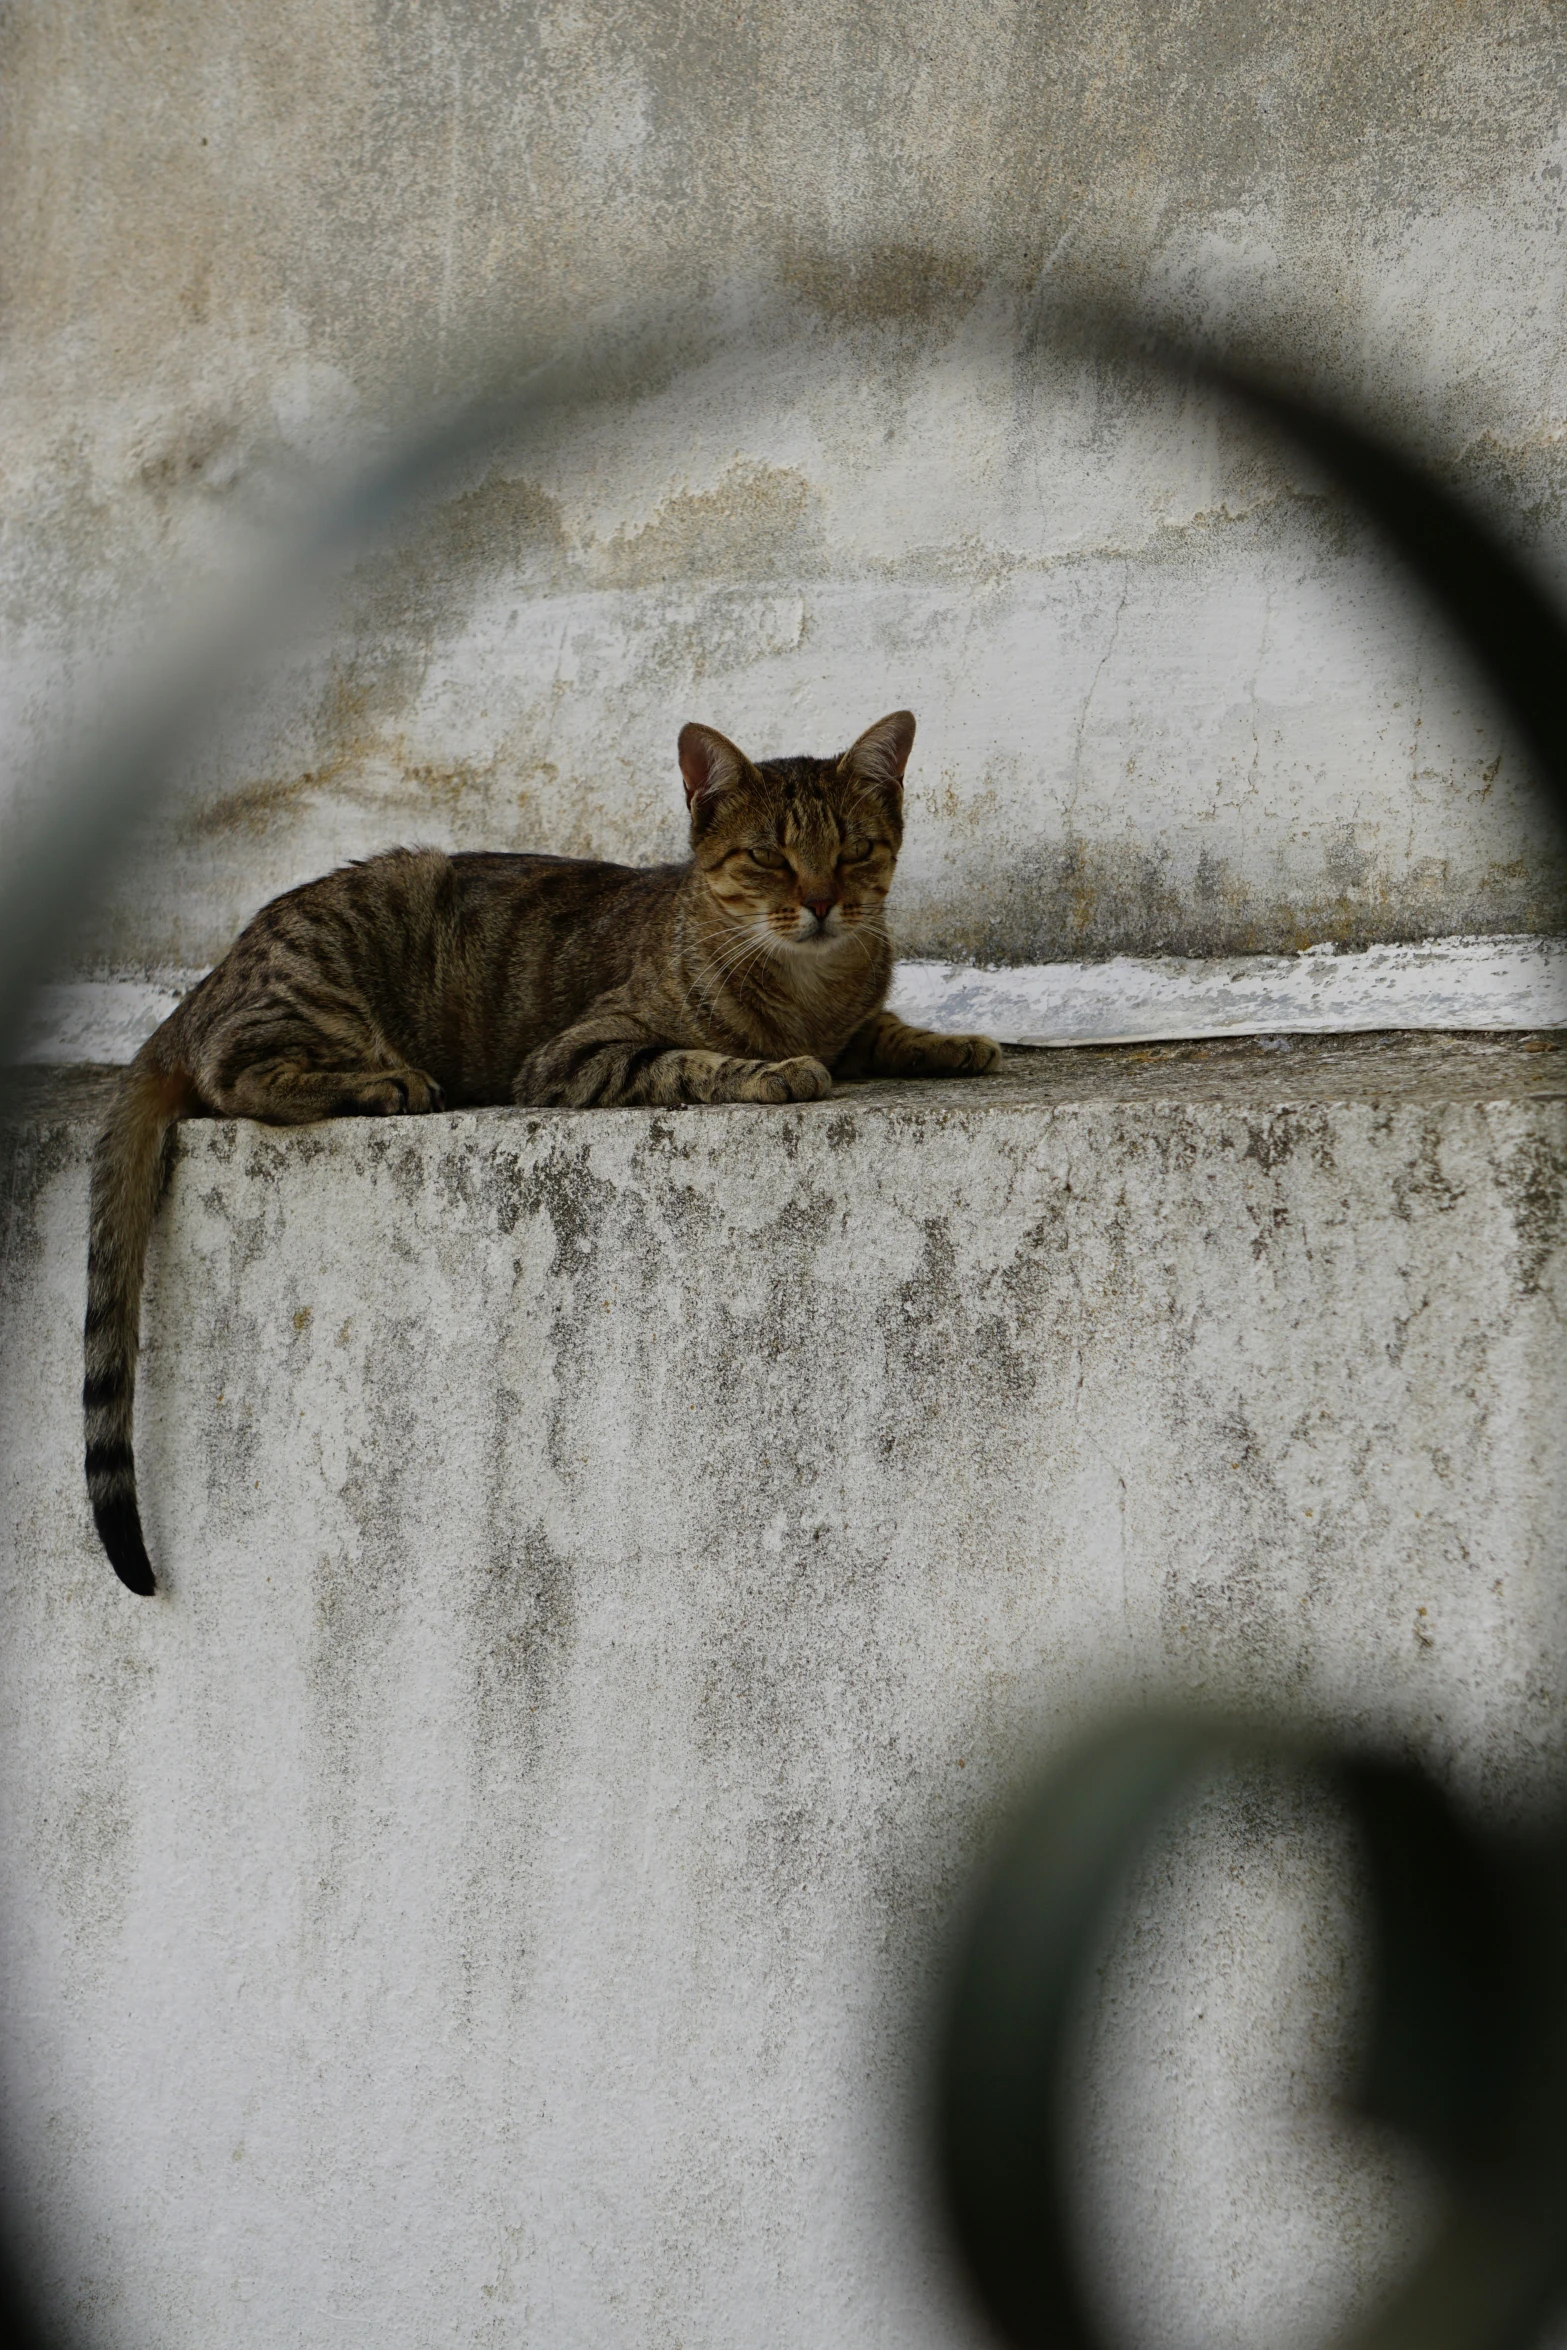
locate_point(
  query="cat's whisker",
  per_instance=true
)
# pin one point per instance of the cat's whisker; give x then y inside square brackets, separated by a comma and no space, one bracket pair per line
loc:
[750,971]
[748,949]
[726,963]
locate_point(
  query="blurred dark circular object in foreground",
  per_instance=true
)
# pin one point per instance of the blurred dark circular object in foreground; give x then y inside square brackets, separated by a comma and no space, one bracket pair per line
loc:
[1467,2048]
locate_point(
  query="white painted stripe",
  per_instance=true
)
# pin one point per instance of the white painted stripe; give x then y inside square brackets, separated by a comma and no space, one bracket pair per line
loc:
[98,1019]
[1453,983]
[1132,999]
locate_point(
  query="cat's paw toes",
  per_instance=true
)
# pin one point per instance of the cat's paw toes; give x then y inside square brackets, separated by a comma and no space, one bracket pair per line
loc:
[403,1093]
[375,1097]
[938,1055]
[807,1079]
[799,1080]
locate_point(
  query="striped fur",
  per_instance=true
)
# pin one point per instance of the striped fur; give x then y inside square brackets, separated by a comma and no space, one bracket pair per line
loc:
[754,972]
[127,1177]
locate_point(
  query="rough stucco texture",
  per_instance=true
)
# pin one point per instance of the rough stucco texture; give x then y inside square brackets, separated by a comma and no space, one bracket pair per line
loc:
[615,1567]
[1169,696]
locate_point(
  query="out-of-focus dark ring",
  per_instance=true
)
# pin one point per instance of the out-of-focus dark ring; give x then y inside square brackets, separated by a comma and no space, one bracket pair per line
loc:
[1467,2049]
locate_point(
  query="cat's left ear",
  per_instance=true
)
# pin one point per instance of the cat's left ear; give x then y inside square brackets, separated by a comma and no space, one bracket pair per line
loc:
[709,762]
[882,752]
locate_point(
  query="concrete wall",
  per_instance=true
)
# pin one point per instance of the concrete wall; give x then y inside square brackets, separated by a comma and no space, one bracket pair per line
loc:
[1167,698]
[615,1565]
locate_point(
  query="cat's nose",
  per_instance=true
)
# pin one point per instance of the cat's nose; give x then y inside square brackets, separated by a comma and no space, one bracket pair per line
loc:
[820,907]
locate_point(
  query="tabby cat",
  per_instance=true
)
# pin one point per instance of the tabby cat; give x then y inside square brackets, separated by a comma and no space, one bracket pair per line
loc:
[754,972]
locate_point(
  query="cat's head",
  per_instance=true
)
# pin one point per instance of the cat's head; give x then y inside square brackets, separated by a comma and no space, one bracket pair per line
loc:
[801,851]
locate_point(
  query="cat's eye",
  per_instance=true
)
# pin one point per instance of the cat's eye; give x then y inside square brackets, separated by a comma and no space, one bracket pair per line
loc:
[854,852]
[771,860]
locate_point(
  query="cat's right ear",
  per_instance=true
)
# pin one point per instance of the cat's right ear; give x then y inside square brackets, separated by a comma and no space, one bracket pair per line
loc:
[882,752]
[709,762]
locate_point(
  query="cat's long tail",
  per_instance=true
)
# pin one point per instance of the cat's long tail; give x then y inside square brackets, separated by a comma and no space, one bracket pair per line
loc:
[127,1179]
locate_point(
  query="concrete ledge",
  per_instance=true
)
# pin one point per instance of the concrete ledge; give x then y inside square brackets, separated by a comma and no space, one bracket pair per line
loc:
[615,1562]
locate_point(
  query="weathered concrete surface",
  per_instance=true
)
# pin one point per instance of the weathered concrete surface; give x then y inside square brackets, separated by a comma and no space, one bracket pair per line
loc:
[615,1565]
[1169,698]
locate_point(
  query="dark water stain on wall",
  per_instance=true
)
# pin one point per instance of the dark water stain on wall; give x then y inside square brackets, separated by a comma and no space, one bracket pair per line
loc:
[1075,899]
[1534,1183]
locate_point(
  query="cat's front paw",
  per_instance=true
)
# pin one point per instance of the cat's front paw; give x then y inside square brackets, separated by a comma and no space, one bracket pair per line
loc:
[928,1053]
[977,1055]
[401,1093]
[799,1080]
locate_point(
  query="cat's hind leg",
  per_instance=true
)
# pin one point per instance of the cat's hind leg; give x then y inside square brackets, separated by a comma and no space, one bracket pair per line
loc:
[283,1093]
[608,1060]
